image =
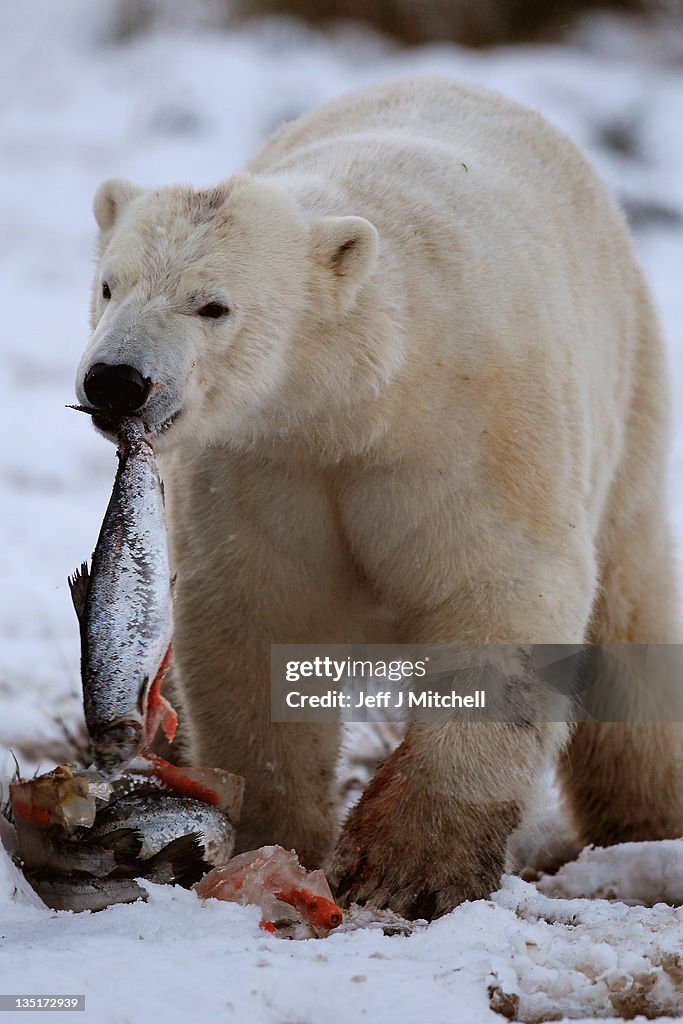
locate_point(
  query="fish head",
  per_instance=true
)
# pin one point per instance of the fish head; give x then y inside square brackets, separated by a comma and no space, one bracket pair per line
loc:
[113,746]
[197,303]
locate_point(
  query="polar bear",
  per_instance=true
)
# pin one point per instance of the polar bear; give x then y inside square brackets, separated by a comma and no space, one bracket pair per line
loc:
[405,383]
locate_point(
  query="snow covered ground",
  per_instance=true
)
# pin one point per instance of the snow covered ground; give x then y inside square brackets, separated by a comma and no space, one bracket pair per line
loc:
[192,106]
[521,954]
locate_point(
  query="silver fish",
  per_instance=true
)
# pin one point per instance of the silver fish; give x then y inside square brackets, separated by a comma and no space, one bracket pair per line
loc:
[87,893]
[175,862]
[49,852]
[124,608]
[164,818]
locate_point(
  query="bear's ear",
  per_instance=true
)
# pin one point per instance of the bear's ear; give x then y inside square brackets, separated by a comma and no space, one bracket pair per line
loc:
[110,199]
[346,247]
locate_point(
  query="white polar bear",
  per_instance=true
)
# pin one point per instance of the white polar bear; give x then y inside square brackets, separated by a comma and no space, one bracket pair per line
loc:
[406,384]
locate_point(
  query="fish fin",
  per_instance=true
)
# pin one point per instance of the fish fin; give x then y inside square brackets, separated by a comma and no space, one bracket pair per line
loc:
[159,710]
[181,861]
[79,584]
[169,723]
[125,843]
[82,408]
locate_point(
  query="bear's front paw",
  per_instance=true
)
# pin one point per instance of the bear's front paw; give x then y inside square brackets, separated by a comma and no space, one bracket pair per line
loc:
[417,851]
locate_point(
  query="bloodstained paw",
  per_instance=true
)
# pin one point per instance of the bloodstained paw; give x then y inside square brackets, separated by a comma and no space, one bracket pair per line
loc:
[415,850]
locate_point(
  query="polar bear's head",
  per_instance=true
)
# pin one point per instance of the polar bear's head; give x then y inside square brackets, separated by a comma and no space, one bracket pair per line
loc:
[208,307]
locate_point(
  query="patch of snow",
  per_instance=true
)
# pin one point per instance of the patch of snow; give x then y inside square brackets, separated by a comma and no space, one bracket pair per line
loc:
[645,873]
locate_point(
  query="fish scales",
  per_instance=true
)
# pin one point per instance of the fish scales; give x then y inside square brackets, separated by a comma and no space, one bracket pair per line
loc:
[87,893]
[165,818]
[130,571]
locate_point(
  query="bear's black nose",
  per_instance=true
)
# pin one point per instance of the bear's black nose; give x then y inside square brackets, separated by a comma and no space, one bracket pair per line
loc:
[119,389]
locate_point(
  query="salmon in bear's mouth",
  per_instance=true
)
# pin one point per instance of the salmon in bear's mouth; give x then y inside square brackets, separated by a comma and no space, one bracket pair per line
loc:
[124,601]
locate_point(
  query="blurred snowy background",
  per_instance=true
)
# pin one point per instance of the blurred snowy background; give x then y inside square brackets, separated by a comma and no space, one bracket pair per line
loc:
[166,92]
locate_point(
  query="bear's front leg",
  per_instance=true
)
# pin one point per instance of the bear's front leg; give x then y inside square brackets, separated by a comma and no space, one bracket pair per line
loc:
[431,829]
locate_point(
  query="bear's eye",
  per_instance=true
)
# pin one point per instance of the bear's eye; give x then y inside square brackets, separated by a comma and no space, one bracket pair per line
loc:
[213,310]
[106,290]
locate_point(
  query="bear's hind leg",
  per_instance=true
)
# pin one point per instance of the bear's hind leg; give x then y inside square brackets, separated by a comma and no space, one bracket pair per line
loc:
[622,774]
